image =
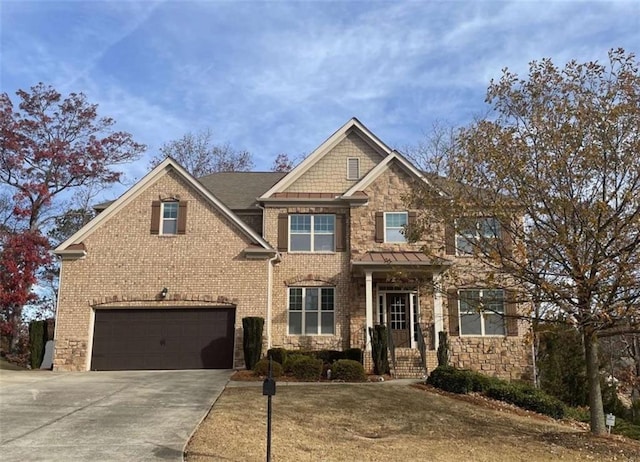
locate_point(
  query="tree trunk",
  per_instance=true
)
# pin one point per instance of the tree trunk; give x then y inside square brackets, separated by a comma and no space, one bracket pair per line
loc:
[15,317]
[596,410]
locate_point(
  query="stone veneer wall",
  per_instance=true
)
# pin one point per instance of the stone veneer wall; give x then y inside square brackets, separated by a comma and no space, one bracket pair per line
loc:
[505,357]
[126,265]
[329,174]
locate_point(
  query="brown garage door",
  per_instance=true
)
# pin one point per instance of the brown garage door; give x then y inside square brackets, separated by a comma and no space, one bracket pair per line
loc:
[191,338]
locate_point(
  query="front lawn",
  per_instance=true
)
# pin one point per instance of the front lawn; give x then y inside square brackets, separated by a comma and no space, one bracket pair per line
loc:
[388,422]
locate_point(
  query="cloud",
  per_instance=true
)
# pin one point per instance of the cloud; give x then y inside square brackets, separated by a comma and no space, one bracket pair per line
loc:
[275,77]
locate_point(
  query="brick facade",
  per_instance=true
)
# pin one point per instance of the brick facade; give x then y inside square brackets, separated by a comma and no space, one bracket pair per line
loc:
[126,267]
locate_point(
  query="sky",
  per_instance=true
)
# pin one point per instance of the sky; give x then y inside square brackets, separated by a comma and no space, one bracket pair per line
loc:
[276,77]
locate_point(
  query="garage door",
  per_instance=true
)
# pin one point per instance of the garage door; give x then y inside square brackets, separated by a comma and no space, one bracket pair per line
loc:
[163,339]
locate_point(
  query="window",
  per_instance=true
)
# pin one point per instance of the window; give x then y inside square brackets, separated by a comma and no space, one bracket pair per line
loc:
[394,226]
[311,310]
[312,233]
[353,168]
[482,312]
[475,233]
[169,218]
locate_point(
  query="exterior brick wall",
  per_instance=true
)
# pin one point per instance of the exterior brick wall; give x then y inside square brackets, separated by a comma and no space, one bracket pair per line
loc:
[308,270]
[125,263]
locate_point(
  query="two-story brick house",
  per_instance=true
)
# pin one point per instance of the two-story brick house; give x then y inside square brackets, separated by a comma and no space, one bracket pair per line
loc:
[163,276]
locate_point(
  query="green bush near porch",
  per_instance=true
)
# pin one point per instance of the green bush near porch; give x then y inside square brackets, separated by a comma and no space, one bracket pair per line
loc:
[348,370]
[303,367]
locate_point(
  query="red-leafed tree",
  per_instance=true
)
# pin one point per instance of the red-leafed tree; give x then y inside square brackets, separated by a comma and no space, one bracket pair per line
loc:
[52,145]
[49,146]
[21,255]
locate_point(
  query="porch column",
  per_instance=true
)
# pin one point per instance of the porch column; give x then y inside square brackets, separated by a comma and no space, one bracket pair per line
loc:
[368,307]
[438,317]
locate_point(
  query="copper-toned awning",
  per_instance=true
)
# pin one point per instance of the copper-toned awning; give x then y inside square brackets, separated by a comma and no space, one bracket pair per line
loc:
[378,259]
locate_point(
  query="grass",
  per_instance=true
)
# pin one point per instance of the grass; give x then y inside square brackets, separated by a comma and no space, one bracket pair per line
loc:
[386,422]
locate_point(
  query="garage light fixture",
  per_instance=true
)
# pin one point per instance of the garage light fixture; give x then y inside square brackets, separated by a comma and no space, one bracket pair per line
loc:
[164,292]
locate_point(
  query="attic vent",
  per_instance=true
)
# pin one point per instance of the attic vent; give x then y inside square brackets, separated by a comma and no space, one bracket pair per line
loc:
[353,168]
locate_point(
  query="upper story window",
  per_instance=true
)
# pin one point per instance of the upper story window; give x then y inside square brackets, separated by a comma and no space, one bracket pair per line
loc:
[474,232]
[482,312]
[169,218]
[394,226]
[353,168]
[311,310]
[312,233]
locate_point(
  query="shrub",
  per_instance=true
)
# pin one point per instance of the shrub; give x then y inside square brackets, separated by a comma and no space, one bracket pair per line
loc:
[561,365]
[348,370]
[252,340]
[277,354]
[37,341]
[329,356]
[443,349]
[626,428]
[482,382]
[527,397]
[450,379]
[379,349]
[261,368]
[354,354]
[304,367]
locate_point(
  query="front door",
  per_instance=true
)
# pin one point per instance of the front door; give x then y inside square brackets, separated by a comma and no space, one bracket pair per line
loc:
[398,319]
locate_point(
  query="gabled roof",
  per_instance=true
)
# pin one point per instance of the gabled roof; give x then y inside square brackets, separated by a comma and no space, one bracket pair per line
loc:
[374,173]
[161,169]
[239,190]
[353,125]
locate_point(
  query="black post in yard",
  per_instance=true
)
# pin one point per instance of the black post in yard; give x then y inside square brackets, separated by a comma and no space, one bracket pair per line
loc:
[269,428]
[269,389]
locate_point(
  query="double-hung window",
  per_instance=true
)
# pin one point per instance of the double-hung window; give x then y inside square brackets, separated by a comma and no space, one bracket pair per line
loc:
[394,226]
[312,233]
[169,218]
[482,312]
[311,310]
[475,234]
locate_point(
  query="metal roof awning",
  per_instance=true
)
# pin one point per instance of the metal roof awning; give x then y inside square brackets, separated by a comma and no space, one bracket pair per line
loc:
[407,260]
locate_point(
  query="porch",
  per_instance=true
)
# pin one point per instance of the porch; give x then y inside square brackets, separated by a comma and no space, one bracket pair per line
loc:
[401,291]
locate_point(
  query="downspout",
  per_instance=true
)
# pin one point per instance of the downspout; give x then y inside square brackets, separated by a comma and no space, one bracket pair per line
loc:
[270,263]
[55,317]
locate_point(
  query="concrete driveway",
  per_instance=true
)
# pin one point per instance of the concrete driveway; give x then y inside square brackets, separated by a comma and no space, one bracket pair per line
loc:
[103,416]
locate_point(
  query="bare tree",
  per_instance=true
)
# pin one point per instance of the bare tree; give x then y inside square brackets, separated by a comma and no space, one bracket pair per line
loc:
[561,150]
[282,163]
[197,153]
[431,152]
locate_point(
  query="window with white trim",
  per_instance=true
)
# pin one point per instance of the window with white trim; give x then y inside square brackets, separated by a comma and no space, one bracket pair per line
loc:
[394,226]
[169,215]
[482,312]
[474,233]
[312,233]
[311,310]
[353,168]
